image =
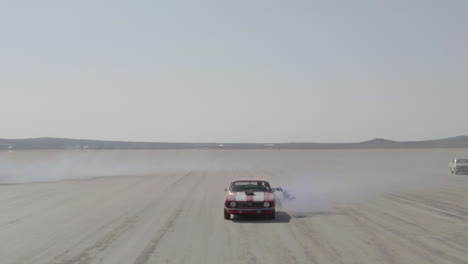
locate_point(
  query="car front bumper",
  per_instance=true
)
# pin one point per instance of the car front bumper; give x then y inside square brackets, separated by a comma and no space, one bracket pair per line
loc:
[250,211]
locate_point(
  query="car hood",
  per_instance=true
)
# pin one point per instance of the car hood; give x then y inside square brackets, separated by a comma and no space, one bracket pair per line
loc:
[256,197]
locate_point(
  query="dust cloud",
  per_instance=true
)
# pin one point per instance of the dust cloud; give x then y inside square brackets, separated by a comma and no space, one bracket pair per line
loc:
[325,179]
[319,179]
[45,166]
[323,190]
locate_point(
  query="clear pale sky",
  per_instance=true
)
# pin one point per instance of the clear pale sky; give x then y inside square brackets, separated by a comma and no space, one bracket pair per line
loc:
[234,71]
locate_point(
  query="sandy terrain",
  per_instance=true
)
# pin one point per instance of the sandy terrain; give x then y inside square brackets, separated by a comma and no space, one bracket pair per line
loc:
[353,206]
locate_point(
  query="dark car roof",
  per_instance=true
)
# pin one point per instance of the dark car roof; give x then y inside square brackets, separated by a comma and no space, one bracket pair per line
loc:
[249,179]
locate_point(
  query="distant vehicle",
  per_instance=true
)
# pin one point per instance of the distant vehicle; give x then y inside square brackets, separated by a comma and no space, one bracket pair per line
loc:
[249,197]
[459,166]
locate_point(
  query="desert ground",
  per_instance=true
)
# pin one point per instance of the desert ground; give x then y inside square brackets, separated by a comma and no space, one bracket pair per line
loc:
[165,206]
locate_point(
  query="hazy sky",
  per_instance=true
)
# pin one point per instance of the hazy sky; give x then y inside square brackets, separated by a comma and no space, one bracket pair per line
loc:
[265,71]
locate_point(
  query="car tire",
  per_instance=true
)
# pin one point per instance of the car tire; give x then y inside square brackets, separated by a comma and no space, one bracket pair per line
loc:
[227,215]
[272,215]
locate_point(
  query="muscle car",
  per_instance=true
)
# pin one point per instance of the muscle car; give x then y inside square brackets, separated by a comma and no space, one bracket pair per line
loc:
[249,197]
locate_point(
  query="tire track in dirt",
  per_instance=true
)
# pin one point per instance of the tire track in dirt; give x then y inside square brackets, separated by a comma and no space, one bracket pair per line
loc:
[151,247]
[314,242]
[127,222]
[433,206]
[69,197]
[389,231]
[447,241]
[387,254]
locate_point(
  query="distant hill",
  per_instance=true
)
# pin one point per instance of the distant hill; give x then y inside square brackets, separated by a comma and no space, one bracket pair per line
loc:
[64,143]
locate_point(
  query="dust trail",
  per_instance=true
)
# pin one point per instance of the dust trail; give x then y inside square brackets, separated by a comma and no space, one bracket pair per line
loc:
[323,190]
[40,166]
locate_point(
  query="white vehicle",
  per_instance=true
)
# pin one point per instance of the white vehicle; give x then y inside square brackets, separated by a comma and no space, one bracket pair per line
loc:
[459,166]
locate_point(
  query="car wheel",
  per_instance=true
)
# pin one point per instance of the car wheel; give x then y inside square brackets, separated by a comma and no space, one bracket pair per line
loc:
[272,216]
[227,215]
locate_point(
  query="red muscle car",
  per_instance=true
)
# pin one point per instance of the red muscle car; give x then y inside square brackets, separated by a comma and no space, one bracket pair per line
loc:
[249,197]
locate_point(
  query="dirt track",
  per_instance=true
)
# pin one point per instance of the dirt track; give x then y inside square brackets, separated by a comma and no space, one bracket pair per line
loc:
[176,216]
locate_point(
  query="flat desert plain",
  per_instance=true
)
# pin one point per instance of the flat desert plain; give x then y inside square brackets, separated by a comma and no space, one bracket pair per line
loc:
[165,206]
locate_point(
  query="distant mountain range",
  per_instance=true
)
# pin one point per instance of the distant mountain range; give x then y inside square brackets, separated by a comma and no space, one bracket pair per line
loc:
[65,143]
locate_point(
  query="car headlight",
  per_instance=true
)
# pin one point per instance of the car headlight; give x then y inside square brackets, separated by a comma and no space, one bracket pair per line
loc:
[266,204]
[232,204]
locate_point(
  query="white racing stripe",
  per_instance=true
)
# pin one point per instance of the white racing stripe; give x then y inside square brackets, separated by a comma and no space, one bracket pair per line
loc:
[241,197]
[259,197]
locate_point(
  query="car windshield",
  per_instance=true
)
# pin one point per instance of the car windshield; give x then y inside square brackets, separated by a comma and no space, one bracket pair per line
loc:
[241,186]
[462,161]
